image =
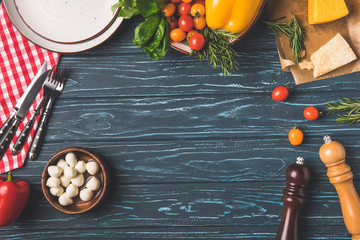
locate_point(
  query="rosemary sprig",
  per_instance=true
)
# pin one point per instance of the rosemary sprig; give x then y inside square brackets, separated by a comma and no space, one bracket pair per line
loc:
[218,50]
[294,32]
[352,106]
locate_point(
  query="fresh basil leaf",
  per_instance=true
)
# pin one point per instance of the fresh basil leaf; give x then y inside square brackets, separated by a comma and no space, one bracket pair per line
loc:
[146,30]
[128,8]
[147,7]
[163,48]
[161,3]
[158,36]
[128,13]
[122,3]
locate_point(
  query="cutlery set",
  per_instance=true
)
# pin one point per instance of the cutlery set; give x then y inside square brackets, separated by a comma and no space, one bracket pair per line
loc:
[52,81]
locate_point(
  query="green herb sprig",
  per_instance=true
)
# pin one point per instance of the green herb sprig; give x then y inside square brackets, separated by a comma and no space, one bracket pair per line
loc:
[351,106]
[218,50]
[152,34]
[294,32]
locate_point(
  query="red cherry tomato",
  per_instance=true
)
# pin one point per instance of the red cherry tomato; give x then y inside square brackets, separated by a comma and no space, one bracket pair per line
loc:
[197,42]
[311,113]
[200,1]
[280,93]
[186,23]
[172,22]
[184,8]
[175,1]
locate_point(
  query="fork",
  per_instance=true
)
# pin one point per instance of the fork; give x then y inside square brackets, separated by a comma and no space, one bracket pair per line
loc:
[48,87]
[40,131]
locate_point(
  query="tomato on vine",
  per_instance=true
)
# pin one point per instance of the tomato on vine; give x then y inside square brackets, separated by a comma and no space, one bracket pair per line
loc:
[311,113]
[280,93]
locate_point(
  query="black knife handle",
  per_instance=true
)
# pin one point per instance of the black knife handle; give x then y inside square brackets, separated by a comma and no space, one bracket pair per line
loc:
[5,141]
[20,141]
[40,131]
[5,127]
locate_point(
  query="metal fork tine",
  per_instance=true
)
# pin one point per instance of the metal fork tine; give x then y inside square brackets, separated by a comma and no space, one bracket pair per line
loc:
[60,77]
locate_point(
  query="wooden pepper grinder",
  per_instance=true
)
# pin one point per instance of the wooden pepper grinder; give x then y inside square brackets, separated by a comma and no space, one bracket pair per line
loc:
[332,153]
[297,176]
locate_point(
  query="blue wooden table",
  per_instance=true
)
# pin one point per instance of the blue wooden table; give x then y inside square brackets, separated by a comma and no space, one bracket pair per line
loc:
[192,154]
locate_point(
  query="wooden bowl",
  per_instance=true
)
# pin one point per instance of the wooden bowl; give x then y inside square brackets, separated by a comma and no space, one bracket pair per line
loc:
[79,205]
[187,50]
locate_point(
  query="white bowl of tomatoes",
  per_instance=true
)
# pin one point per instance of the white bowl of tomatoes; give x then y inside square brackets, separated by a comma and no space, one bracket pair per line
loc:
[187,20]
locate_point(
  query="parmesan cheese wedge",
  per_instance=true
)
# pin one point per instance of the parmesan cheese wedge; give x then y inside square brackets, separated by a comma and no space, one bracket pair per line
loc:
[334,54]
[322,11]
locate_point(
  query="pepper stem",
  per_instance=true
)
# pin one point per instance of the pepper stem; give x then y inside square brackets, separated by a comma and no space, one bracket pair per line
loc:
[9,177]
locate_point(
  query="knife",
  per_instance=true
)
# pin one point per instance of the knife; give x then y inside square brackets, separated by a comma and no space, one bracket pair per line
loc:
[8,129]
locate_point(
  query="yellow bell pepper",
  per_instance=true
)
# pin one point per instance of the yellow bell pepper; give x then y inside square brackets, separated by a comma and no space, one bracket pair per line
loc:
[231,15]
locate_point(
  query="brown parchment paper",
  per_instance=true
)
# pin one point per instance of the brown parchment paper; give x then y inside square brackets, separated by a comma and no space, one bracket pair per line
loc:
[316,36]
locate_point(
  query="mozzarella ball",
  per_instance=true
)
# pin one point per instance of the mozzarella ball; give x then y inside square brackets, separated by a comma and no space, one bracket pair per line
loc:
[65,200]
[78,180]
[54,171]
[70,172]
[53,182]
[86,194]
[81,166]
[64,181]
[62,164]
[71,159]
[72,190]
[57,191]
[92,167]
[93,184]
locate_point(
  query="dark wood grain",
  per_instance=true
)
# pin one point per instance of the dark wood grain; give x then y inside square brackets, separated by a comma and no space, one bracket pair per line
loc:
[191,154]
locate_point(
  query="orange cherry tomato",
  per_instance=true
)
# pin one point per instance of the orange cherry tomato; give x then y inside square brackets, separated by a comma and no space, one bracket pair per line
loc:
[296,136]
[199,23]
[177,35]
[190,34]
[187,1]
[169,9]
[197,10]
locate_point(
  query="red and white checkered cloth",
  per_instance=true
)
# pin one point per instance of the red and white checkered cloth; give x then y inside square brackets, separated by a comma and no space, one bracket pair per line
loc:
[19,63]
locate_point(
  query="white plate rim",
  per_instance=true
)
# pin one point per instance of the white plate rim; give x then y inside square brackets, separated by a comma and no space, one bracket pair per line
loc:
[62,41]
[16,20]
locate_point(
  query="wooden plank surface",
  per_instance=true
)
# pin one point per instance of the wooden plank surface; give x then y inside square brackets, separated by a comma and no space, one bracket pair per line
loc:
[193,155]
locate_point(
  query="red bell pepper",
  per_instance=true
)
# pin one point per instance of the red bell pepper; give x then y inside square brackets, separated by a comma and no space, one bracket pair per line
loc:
[14,193]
